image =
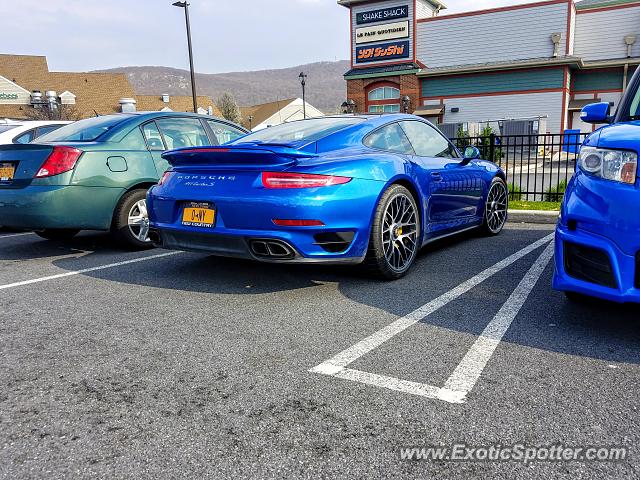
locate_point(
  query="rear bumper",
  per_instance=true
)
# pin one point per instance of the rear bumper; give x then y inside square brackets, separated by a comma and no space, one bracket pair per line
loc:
[248,244]
[246,214]
[623,268]
[40,207]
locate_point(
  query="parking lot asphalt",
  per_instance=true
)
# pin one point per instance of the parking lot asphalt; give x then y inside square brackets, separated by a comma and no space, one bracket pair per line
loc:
[176,365]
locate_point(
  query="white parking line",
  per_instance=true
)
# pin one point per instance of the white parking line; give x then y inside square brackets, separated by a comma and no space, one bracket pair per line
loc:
[467,373]
[85,270]
[336,366]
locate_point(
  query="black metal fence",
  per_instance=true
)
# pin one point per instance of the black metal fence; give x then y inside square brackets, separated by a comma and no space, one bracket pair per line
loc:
[538,167]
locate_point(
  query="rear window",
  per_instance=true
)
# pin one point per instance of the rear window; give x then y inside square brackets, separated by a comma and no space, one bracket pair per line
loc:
[303,131]
[84,130]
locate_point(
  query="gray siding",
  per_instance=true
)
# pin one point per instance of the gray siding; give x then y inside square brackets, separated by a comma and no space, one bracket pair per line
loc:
[376,6]
[492,37]
[479,109]
[600,35]
[423,9]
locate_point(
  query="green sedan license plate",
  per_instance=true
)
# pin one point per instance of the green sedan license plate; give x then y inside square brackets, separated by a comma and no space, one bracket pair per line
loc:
[7,172]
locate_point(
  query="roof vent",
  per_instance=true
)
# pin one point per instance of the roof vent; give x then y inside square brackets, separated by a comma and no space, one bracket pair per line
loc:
[36,97]
[127,105]
[165,97]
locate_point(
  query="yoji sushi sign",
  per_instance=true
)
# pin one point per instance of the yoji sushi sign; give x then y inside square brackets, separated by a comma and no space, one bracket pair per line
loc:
[382,52]
[382,14]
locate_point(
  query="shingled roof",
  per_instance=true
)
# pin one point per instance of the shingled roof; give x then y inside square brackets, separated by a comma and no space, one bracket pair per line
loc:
[95,92]
[177,103]
[262,112]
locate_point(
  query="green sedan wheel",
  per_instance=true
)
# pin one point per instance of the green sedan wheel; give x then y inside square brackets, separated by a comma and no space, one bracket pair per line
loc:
[131,221]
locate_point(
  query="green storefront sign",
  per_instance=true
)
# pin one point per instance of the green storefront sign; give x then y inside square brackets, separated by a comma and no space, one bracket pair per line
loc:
[8,96]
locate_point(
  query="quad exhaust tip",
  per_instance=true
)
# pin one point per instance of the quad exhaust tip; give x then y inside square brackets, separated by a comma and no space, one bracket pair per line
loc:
[273,249]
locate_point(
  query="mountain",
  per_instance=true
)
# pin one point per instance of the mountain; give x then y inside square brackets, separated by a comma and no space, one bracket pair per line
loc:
[326,88]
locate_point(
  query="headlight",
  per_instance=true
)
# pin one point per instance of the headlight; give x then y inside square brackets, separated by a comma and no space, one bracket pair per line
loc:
[617,165]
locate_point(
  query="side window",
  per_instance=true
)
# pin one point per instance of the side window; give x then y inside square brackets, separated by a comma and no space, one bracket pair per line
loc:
[427,141]
[153,137]
[390,138]
[46,129]
[224,133]
[182,132]
[133,141]
[26,137]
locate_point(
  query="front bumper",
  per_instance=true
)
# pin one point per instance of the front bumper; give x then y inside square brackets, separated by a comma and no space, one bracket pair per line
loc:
[623,267]
[39,207]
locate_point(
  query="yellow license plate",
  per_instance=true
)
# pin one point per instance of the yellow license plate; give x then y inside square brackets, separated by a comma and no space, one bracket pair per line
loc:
[7,172]
[199,215]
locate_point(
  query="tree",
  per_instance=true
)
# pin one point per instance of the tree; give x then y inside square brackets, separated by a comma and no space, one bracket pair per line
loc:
[63,112]
[229,108]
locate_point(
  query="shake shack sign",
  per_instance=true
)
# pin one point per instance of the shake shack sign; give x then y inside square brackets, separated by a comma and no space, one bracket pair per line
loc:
[384,14]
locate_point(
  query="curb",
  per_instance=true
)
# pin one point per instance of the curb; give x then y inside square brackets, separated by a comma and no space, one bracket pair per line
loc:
[533,216]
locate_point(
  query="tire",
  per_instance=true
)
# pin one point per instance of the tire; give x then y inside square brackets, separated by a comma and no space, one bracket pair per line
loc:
[392,249]
[495,208]
[57,233]
[127,232]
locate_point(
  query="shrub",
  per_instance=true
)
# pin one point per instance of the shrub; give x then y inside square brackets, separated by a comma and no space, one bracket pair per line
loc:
[515,192]
[555,194]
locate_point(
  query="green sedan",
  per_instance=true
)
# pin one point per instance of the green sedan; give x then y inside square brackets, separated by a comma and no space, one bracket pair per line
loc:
[94,174]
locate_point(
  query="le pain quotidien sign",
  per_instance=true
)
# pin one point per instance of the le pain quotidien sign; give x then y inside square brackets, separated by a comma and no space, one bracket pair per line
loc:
[382,52]
[381,33]
[382,15]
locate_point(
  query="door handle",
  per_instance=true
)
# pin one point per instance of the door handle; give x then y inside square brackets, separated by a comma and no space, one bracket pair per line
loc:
[436,176]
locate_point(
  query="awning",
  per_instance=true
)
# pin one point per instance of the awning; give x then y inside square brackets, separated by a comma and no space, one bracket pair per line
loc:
[430,110]
[577,105]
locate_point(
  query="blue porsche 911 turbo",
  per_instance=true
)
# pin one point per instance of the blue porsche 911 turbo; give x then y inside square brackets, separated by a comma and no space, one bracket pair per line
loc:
[355,189]
[598,236]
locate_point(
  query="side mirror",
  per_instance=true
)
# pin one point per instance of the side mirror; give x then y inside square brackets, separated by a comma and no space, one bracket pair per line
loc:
[596,113]
[470,153]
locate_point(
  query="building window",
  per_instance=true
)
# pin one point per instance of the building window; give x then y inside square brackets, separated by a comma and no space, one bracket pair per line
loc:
[384,93]
[387,108]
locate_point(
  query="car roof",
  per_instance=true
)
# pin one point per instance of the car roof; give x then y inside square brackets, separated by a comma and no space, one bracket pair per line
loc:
[33,123]
[140,117]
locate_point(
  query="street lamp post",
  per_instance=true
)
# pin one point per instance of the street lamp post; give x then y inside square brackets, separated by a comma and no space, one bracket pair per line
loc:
[250,118]
[185,5]
[303,82]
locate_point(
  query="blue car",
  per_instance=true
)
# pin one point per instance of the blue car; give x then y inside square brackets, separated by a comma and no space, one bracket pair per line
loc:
[598,236]
[351,189]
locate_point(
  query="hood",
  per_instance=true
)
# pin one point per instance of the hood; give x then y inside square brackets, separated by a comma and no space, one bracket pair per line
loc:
[625,136]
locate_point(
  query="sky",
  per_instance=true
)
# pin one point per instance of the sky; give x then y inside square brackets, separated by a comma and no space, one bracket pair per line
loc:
[228,35]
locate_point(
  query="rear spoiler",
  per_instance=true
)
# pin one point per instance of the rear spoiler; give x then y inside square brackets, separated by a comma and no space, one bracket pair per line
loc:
[235,155]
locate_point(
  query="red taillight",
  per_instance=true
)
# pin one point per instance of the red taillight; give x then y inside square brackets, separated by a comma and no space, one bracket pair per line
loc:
[297,223]
[300,180]
[165,177]
[61,159]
